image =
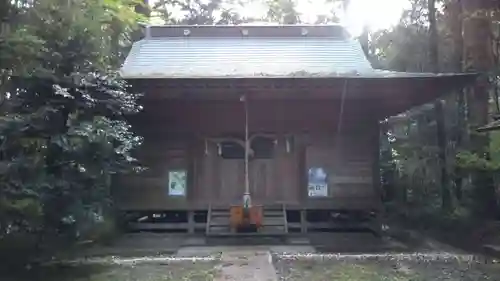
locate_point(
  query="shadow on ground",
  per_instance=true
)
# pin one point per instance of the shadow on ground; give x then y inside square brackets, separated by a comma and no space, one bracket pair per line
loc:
[147,244]
[178,271]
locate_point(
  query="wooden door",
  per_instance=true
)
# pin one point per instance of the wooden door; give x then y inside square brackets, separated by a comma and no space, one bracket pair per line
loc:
[261,177]
[275,177]
[219,181]
[232,181]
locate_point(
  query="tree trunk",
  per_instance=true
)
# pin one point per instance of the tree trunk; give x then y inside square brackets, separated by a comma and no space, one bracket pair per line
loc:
[478,58]
[454,8]
[364,41]
[4,18]
[438,106]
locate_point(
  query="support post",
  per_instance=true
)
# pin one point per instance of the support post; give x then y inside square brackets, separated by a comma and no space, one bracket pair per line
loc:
[191,222]
[303,221]
[247,200]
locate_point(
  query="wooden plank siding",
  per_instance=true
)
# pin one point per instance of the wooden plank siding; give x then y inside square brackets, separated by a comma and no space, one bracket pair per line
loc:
[348,157]
[348,161]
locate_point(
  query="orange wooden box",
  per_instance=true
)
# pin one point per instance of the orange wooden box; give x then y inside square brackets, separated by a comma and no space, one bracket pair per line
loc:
[237,216]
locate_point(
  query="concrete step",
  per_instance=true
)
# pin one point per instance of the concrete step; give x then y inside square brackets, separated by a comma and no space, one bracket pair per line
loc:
[218,229]
[247,234]
[273,221]
[220,214]
[274,213]
[273,228]
[219,221]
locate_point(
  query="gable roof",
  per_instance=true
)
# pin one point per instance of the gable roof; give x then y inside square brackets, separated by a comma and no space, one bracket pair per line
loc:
[244,51]
[190,56]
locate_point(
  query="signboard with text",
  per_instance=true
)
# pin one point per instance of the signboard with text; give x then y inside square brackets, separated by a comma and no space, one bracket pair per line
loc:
[317,184]
[177,183]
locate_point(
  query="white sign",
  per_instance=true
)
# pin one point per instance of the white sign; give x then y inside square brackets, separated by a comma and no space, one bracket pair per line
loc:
[318,190]
[177,183]
[317,182]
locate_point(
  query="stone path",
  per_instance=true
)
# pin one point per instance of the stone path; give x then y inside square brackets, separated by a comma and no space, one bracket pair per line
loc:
[246,265]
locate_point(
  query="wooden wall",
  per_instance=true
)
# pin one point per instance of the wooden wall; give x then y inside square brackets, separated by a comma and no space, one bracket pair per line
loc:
[350,162]
[221,182]
[175,135]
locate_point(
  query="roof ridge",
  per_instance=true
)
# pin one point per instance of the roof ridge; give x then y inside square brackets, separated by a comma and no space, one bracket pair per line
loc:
[186,56]
[244,31]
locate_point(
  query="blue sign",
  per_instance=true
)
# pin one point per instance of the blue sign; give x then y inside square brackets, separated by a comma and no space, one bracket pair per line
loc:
[317,182]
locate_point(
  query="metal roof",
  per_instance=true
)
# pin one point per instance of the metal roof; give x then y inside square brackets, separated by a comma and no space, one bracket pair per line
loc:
[241,57]
[233,52]
[283,51]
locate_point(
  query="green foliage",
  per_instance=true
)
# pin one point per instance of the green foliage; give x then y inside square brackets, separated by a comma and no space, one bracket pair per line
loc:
[84,34]
[198,12]
[410,159]
[413,164]
[226,12]
[283,11]
[472,161]
[401,49]
[63,130]
[61,143]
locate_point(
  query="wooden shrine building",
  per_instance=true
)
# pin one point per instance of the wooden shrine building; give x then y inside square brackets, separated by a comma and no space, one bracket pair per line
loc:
[304,99]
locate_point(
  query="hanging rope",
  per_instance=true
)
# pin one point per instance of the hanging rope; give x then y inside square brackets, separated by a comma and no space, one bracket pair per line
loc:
[338,139]
[341,113]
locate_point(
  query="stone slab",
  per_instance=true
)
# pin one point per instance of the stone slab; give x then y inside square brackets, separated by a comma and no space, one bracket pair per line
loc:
[246,265]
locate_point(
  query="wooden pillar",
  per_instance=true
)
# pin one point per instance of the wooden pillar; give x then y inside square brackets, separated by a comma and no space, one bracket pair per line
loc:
[304,197]
[301,151]
[303,221]
[191,222]
[377,225]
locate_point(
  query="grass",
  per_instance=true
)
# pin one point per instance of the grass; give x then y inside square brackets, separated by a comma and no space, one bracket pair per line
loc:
[177,271]
[287,270]
[384,271]
[351,272]
[342,271]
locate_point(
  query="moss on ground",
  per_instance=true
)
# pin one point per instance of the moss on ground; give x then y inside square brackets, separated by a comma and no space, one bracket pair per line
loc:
[341,271]
[350,272]
[177,271]
[384,271]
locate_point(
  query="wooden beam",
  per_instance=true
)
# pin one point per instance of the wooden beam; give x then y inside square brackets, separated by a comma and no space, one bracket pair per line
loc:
[191,222]
[164,226]
[307,226]
[303,221]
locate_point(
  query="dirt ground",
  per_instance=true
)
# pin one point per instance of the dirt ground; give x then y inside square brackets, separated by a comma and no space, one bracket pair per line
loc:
[286,270]
[176,271]
[299,270]
[264,263]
